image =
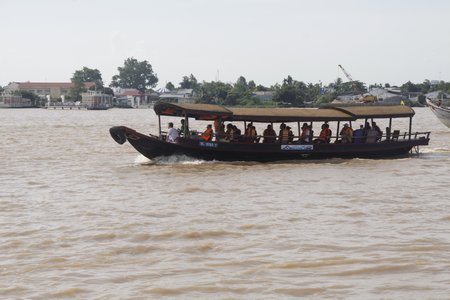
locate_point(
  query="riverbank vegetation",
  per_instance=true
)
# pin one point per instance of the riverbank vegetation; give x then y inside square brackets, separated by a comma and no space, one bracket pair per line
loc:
[289,91]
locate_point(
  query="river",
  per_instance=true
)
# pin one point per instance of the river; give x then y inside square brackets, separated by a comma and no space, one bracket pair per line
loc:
[82,217]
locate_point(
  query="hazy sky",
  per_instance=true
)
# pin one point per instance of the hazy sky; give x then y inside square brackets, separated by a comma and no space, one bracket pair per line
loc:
[376,41]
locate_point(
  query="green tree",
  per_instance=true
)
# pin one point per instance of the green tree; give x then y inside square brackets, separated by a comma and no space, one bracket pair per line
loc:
[170,86]
[426,86]
[108,91]
[85,75]
[410,87]
[293,92]
[35,99]
[261,88]
[135,75]
[240,93]
[189,82]
[214,92]
[88,75]
[251,85]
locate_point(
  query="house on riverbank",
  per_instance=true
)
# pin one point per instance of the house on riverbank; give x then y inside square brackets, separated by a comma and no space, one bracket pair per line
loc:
[43,89]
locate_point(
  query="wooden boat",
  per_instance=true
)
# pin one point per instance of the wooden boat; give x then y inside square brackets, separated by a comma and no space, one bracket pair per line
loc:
[443,113]
[392,143]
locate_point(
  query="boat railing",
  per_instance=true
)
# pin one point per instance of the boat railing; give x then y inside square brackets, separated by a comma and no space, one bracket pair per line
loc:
[394,136]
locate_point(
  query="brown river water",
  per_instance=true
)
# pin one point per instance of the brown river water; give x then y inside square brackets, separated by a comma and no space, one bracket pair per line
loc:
[82,217]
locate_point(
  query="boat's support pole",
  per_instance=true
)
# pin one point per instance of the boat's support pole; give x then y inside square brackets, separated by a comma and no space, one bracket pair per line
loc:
[388,135]
[337,131]
[299,131]
[159,125]
[410,127]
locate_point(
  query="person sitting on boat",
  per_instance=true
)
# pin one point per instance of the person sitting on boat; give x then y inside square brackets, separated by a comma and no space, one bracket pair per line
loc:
[305,136]
[290,134]
[346,134]
[358,135]
[229,134]
[378,130]
[325,135]
[283,136]
[184,130]
[250,133]
[269,134]
[207,135]
[236,133]
[219,129]
[172,134]
[372,136]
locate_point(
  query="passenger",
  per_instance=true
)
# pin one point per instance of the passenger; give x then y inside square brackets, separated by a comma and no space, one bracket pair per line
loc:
[270,136]
[290,134]
[283,136]
[237,133]
[207,134]
[358,135]
[218,128]
[172,134]
[221,135]
[250,133]
[229,134]
[372,136]
[346,134]
[184,128]
[325,134]
[305,136]
[378,130]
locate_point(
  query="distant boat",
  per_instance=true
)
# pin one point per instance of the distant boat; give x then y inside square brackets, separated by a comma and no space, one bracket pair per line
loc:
[443,113]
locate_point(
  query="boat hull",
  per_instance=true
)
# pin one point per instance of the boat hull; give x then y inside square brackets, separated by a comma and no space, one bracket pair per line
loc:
[443,114]
[152,146]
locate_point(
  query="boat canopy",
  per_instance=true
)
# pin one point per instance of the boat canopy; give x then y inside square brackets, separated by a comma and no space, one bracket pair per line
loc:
[288,114]
[327,113]
[191,110]
[377,111]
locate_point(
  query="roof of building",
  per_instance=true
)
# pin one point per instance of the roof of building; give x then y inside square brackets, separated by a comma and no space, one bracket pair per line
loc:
[50,85]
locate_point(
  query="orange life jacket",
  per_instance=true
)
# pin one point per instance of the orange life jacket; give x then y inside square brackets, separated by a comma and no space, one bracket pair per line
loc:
[207,134]
[285,135]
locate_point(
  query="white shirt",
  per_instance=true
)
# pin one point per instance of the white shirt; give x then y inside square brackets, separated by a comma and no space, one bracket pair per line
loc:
[172,135]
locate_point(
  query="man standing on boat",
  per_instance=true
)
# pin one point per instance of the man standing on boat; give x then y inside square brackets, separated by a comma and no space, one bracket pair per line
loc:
[172,134]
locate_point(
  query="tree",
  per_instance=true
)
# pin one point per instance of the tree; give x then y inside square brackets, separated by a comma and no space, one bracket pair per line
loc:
[82,76]
[292,92]
[170,86]
[189,82]
[261,88]
[135,75]
[410,87]
[251,85]
[35,99]
[88,75]
[214,92]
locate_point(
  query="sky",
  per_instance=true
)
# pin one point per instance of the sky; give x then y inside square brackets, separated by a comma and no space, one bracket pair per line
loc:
[376,41]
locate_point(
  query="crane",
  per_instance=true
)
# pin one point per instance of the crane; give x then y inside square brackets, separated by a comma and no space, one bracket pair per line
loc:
[367,98]
[349,77]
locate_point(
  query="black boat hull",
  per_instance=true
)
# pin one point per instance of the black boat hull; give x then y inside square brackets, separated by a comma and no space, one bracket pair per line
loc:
[152,146]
